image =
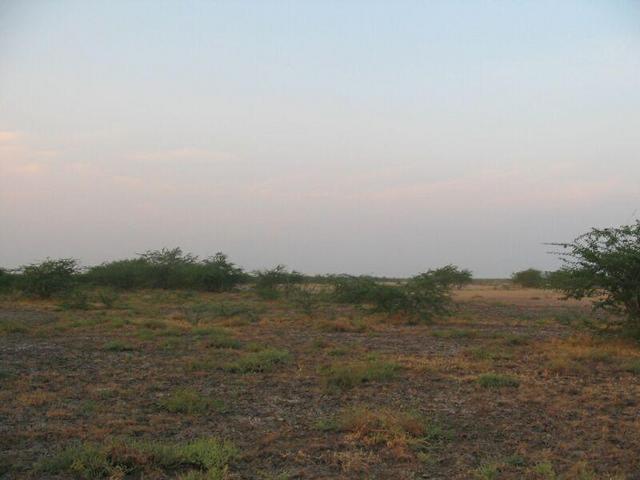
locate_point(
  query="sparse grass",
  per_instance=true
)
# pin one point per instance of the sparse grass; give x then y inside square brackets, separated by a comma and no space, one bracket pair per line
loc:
[109,297]
[260,362]
[545,470]
[487,471]
[352,325]
[12,326]
[580,353]
[216,337]
[35,398]
[351,374]
[496,380]
[206,312]
[118,346]
[117,459]
[401,433]
[513,340]
[454,333]
[633,366]
[153,324]
[338,351]
[75,300]
[490,353]
[190,401]
[55,385]
[88,407]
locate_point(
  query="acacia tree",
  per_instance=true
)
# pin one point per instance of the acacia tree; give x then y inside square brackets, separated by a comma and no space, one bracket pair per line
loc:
[530,277]
[604,264]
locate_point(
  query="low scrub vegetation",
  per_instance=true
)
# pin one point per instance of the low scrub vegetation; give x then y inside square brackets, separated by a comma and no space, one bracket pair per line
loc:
[530,278]
[496,380]
[216,337]
[261,361]
[167,269]
[190,401]
[349,374]
[604,264]
[124,458]
[421,298]
[270,284]
[48,278]
[118,346]
[401,433]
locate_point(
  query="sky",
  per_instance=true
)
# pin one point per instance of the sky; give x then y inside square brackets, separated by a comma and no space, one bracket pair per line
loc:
[330,136]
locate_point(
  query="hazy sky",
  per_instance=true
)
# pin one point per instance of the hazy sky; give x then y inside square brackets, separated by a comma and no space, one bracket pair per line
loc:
[332,136]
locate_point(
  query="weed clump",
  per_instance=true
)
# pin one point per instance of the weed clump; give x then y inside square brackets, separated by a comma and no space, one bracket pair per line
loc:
[261,361]
[117,459]
[189,401]
[347,375]
[403,434]
[118,346]
[217,337]
[75,299]
[496,380]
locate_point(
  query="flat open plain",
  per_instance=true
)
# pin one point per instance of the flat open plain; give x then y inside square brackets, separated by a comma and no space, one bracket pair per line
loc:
[173,384]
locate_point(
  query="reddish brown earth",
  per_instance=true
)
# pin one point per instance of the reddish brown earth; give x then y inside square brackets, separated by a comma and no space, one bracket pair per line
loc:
[574,413]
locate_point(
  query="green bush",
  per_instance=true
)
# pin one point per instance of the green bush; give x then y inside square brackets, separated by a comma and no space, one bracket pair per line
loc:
[123,274]
[168,269]
[420,298]
[604,264]
[350,289]
[269,283]
[530,278]
[7,280]
[305,300]
[49,277]
[218,274]
[451,275]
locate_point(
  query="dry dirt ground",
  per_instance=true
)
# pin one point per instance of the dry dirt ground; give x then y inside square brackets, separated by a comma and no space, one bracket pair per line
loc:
[512,386]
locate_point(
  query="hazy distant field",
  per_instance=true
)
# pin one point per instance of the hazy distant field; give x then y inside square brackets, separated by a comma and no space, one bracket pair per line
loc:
[173,384]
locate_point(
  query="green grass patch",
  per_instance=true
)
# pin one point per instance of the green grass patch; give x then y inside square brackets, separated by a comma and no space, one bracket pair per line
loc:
[121,458]
[351,374]
[409,431]
[487,471]
[454,333]
[633,367]
[216,337]
[6,374]
[118,346]
[261,361]
[12,326]
[190,401]
[205,312]
[496,380]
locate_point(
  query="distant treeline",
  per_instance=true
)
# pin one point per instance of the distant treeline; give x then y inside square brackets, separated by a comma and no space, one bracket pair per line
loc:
[419,297]
[167,269]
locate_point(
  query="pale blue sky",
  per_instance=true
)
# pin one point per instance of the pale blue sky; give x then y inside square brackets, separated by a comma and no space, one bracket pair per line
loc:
[345,136]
